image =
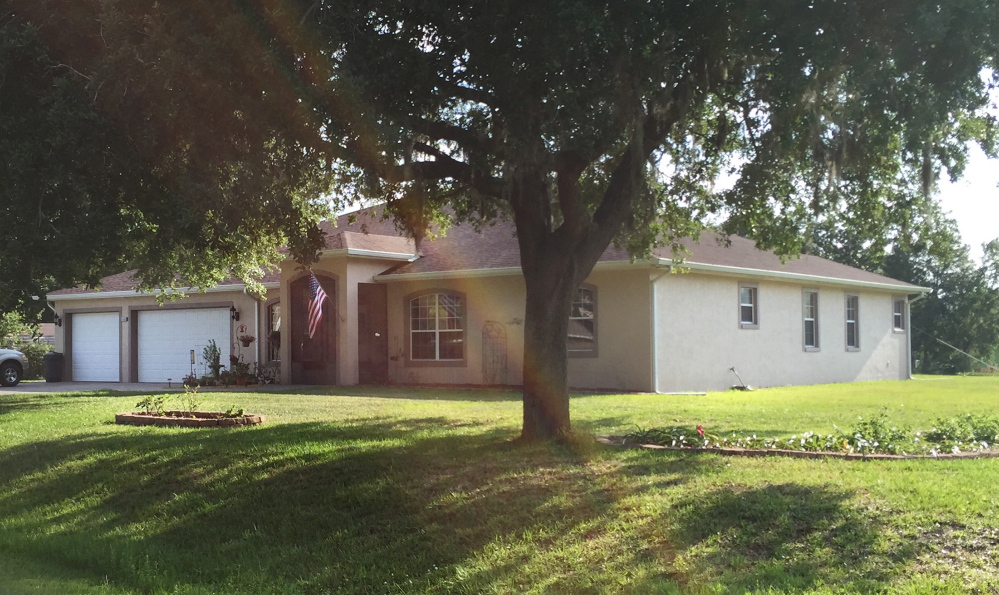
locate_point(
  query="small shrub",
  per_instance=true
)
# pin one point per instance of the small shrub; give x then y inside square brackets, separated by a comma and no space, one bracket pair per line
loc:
[191,399]
[876,434]
[153,405]
[678,436]
[35,352]
[964,431]
[213,357]
[233,412]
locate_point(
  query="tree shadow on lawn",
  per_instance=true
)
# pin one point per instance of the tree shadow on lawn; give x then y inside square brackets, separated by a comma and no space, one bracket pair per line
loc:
[22,403]
[787,537]
[377,505]
[362,507]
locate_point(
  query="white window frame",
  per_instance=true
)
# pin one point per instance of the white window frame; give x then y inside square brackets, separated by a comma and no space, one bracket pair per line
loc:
[855,321]
[898,306]
[592,352]
[754,303]
[437,330]
[814,319]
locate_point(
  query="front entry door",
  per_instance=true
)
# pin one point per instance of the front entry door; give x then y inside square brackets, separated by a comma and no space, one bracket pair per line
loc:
[313,360]
[372,333]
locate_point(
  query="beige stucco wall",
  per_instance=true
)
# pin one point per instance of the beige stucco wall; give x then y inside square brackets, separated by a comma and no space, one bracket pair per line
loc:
[348,272]
[251,311]
[698,337]
[693,335]
[623,360]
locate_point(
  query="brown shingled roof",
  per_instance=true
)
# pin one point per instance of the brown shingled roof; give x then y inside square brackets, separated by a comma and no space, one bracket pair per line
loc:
[462,248]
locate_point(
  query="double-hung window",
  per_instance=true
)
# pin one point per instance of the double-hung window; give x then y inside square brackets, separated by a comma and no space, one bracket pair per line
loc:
[898,314]
[582,334]
[852,322]
[810,318]
[437,328]
[749,310]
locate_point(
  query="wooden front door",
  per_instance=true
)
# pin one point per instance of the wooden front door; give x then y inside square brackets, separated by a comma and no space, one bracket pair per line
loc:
[372,333]
[313,360]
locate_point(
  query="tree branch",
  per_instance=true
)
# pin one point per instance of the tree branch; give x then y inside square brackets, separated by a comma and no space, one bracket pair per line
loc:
[443,131]
[442,168]
[569,165]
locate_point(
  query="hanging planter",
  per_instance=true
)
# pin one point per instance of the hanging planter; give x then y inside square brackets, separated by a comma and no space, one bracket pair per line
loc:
[246,340]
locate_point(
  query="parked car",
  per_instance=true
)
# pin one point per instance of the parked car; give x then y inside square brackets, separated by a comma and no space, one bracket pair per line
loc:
[13,367]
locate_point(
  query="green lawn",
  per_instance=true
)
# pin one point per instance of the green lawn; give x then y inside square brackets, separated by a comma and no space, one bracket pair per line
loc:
[412,491]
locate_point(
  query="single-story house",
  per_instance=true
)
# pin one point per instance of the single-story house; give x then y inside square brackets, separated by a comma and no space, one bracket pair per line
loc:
[453,313]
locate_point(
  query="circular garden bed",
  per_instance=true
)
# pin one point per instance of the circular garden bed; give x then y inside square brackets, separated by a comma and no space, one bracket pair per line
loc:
[187,419]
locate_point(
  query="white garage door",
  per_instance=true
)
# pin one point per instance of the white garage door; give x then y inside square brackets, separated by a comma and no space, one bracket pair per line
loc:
[96,347]
[166,338]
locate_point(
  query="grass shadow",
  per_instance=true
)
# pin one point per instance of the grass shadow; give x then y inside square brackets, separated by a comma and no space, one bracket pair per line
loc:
[21,403]
[787,537]
[371,505]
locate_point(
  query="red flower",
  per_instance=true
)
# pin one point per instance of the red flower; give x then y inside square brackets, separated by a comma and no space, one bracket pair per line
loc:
[700,430]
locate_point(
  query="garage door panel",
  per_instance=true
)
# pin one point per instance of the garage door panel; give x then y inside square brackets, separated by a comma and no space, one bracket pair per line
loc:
[96,347]
[166,338]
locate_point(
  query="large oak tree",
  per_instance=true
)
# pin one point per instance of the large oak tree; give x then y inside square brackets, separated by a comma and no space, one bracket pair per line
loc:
[586,122]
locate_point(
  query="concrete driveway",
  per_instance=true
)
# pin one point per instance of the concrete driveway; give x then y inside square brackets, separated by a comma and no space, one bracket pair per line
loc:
[75,387]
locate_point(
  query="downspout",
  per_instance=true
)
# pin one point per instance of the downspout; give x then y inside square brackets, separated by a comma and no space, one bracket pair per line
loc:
[908,329]
[653,298]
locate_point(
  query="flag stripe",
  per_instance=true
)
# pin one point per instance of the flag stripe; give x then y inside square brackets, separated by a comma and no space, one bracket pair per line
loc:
[316,298]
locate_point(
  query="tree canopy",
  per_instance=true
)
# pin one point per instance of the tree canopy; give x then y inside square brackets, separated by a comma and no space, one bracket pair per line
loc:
[584,121]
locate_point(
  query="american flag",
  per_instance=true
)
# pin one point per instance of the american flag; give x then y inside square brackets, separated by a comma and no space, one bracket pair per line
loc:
[318,296]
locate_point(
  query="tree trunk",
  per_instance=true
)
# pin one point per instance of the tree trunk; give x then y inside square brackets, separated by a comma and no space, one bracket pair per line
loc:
[546,368]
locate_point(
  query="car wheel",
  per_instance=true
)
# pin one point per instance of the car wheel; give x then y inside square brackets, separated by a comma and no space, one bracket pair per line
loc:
[10,374]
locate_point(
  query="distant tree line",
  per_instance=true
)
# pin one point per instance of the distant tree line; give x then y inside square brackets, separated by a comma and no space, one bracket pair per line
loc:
[924,247]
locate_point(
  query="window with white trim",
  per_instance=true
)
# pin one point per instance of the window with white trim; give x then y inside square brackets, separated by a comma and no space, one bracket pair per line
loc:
[582,333]
[810,320]
[749,311]
[852,322]
[437,327]
[898,314]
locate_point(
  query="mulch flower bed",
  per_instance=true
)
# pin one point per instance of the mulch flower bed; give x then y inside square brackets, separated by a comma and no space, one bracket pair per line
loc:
[185,419]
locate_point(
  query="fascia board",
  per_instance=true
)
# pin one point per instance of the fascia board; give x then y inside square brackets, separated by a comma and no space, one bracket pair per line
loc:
[400,256]
[786,276]
[496,272]
[133,293]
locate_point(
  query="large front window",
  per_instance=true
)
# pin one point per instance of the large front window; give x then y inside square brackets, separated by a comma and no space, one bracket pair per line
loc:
[436,327]
[582,335]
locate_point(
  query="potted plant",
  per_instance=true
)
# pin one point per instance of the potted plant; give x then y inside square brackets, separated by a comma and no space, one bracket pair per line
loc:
[246,339]
[212,355]
[241,373]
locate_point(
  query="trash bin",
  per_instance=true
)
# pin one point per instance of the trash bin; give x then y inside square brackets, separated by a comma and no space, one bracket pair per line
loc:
[53,367]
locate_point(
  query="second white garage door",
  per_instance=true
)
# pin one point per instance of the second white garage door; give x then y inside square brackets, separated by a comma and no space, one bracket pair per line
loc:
[166,338]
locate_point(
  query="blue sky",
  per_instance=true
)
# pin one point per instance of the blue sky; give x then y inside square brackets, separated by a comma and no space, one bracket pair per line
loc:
[973,201]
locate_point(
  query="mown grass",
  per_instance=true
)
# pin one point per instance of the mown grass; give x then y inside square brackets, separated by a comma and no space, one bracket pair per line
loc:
[408,491]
